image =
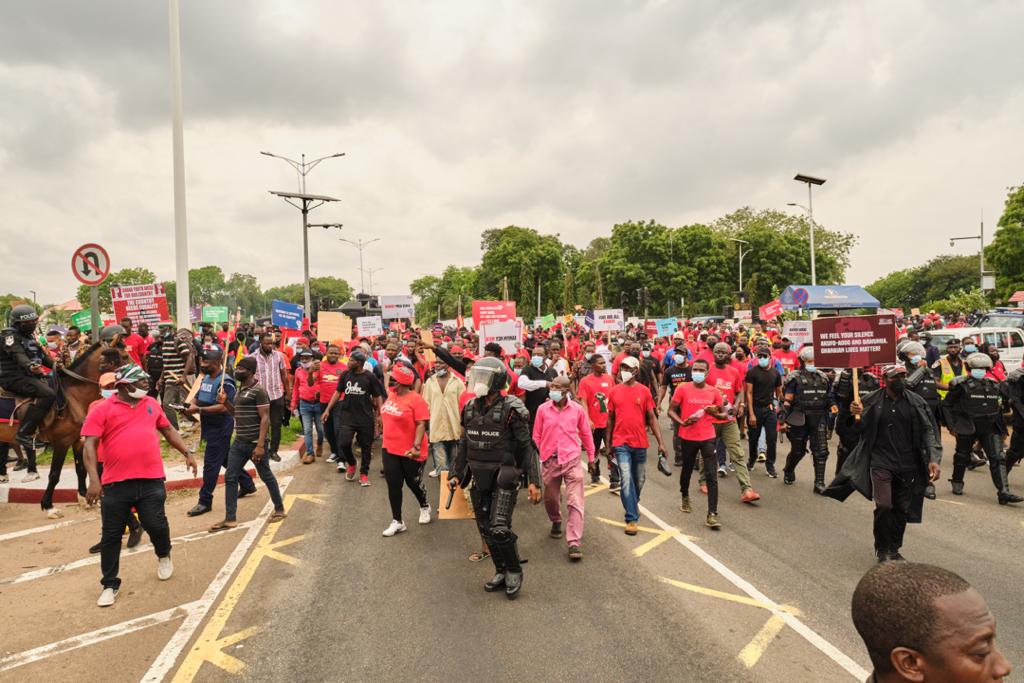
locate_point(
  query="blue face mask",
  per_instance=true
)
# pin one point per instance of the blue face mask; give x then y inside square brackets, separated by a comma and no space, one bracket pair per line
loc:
[970,348]
[537,361]
[811,367]
[763,361]
[978,373]
[107,393]
[519,371]
[915,359]
[698,376]
[556,395]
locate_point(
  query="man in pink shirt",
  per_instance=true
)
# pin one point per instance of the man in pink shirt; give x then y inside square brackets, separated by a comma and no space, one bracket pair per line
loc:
[560,429]
[127,428]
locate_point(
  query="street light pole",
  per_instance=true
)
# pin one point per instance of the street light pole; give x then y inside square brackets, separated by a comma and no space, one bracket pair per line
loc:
[743,254]
[981,250]
[810,180]
[178,152]
[303,168]
[369,274]
[360,245]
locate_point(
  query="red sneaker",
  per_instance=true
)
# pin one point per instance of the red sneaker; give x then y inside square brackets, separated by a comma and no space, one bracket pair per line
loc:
[350,473]
[704,489]
[364,480]
[749,496]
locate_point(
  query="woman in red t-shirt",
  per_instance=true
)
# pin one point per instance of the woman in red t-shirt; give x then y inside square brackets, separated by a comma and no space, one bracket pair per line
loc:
[694,404]
[404,417]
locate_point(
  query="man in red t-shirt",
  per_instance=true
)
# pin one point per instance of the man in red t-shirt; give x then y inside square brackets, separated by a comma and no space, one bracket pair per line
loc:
[786,356]
[593,394]
[127,428]
[693,407]
[630,414]
[133,343]
[726,379]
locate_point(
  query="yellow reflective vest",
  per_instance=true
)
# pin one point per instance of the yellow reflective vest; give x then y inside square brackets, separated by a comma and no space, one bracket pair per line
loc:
[948,375]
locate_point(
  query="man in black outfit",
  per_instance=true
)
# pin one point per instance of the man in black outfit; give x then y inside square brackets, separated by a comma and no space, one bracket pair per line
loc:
[893,460]
[358,416]
[921,381]
[763,386]
[843,393]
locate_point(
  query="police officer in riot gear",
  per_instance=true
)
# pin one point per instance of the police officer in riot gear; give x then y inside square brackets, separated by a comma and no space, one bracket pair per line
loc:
[921,381]
[843,393]
[806,403]
[972,411]
[496,453]
[1013,394]
[22,360]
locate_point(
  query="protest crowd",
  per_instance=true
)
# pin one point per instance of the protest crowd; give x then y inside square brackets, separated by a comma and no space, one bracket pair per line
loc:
[557,407]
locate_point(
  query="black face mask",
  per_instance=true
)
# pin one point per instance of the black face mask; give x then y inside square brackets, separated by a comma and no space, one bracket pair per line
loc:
[242,375]
[635,354]
[785,347]
[896,385]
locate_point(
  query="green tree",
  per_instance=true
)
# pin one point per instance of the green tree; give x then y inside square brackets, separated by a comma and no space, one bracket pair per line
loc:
[242,291]
[529,260]
[427,291]
[1005,255]
[125,276]
[337,290]
[913,287]
[9,301]
[206,285]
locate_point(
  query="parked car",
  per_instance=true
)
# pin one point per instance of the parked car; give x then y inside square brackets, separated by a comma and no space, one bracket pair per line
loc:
[1009,341]
[1003,317]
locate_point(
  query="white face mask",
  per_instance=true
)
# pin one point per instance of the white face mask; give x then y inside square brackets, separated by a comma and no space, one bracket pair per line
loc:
[137,393]
[626,376]
[306,364]
[481,389]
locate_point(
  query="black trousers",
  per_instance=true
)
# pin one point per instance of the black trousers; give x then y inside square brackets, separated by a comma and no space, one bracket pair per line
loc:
[147,496]
[332,439]
[364,435]
[599,438]
[814,430]
[399,470]
[991,444]
[38,389]
[276,420]
[768,421]
[689,450]
[492,507]
[891,492]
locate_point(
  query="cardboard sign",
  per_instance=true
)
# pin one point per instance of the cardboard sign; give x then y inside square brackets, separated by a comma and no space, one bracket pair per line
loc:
[854,341]
[427,339]
[666,327]
[286,315]
[215,314]
[141,303]
[485,312]
[609,320]
[331,325]
[508,333]
[396,307]
[369,326]
[799,332]
[915,311]
[770,311]
[460,508]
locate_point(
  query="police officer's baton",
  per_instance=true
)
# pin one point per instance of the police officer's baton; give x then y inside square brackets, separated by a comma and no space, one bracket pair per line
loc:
[451,494]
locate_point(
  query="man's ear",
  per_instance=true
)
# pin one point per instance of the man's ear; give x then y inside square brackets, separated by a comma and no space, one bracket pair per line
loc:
[908,663]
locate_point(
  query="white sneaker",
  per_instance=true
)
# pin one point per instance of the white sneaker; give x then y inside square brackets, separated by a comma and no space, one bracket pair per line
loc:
[395,527]
[332,458]
[433,473]
[54,513]
[107,597]
[425,515]
[164,568]
[4,479]
[31,476]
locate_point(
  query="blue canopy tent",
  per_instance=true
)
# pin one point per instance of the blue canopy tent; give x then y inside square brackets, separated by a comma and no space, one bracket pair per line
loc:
[826,298]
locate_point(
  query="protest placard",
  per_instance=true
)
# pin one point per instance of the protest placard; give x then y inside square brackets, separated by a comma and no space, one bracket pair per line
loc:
[332,326]
[286,315]
[770,311]
[370,326]
[396,307]
[507,333]
[666,327]
[854,341]
[609,320]
[141,303]
[492,312]
[215,314]
[798,332]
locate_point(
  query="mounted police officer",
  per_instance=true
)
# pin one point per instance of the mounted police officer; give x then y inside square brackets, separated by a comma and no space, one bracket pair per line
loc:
[497,454]
[806,404]
[843,392]
[921,381]
[22,360]
[972,411]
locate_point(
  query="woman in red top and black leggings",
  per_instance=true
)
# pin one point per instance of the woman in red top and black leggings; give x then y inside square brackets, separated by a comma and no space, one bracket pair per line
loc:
[404,417]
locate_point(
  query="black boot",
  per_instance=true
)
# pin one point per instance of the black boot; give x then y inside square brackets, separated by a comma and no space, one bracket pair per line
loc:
[1003,489]
[34,416]
[819,476]
[958,479]
[513,584]
[789,471]
[958,487]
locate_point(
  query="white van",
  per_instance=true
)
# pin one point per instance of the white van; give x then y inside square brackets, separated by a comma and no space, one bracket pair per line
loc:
[1009,341]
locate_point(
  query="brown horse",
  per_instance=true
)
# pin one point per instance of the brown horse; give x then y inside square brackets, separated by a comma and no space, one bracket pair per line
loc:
[62,429]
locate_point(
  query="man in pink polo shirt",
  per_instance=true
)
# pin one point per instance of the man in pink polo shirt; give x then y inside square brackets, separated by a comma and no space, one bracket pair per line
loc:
[127,427]
[560,430]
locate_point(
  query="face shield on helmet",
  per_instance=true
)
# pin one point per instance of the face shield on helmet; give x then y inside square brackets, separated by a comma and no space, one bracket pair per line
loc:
[486,376]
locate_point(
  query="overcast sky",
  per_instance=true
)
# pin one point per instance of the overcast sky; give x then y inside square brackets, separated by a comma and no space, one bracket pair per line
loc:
[456,117]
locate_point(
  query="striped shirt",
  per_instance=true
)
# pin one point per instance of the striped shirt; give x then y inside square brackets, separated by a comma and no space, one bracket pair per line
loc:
[173,352]
[268,372]
[247,416]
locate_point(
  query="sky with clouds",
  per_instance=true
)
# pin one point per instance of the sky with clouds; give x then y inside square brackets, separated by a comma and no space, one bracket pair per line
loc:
[456,117]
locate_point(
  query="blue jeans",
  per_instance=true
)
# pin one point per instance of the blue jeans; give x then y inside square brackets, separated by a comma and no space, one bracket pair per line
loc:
[309,413]
[442,454]
[239,454]
[632,468]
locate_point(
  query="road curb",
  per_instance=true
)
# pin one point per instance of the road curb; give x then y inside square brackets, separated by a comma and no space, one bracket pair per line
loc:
[32,495]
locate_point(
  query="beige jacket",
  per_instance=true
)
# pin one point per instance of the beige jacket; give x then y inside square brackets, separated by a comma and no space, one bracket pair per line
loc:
[445,420]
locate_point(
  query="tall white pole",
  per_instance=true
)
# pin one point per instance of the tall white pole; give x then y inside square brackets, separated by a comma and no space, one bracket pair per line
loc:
[178,141]
[810,214]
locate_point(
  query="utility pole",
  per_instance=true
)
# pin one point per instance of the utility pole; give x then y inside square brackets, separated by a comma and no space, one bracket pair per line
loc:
[600,289]
[538,295]
[360,245]
[178,152]
[504,288]
[370,272]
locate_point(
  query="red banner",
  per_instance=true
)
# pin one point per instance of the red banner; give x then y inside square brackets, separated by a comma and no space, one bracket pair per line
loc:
[141,303]
[651,329]
[770,311]
[485,312]
[854,341]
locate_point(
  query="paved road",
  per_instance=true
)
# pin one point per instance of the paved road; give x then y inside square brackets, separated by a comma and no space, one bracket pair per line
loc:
[323,596]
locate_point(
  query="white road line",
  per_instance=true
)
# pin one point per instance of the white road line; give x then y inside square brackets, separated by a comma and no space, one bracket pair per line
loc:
[46,527]
[809,634]
[95,559]
[93,637]
[169,655]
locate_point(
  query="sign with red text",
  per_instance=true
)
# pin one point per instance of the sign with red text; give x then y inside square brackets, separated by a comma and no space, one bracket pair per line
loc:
[507,333]
[770,311]
[141,303]
[369,326]
[486,312]
[854,341]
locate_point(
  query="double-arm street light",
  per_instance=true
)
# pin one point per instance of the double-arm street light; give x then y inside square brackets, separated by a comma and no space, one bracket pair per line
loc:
[360,245]
[743,253]
[810,180]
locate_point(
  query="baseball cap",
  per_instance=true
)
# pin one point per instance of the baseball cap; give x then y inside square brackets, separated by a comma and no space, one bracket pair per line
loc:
[631,362]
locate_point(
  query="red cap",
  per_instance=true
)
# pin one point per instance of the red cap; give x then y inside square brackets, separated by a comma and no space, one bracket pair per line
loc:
[403,375]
